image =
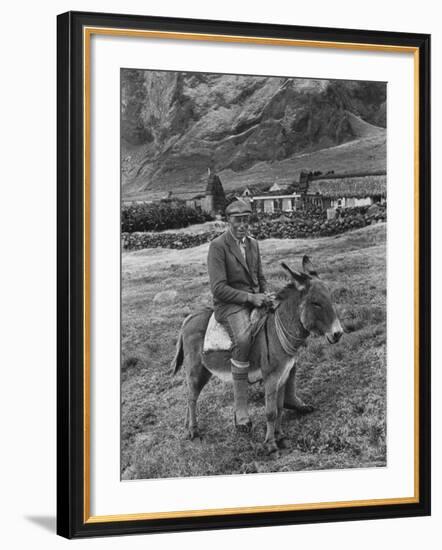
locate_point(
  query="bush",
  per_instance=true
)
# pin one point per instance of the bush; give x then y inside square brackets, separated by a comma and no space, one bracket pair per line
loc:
[160,215]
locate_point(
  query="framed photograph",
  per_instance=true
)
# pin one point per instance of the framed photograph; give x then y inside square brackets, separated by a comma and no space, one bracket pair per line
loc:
[243,274]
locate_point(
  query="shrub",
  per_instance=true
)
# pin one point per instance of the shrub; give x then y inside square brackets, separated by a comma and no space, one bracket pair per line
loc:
[158,216]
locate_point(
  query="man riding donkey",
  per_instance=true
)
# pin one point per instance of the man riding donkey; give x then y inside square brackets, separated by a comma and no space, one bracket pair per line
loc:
[238,285]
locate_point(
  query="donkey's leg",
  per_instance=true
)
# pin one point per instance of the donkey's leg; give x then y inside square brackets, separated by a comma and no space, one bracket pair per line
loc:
[292,399]
[271,397]
[279,432]
[280,402]
[197,375]
[197,378]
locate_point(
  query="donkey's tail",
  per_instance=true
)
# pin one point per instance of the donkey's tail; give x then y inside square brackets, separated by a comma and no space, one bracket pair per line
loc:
[177,361]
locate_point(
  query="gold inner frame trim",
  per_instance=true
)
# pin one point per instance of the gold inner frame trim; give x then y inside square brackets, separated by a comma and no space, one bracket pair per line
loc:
[87,33]
[253,509]
[246,40]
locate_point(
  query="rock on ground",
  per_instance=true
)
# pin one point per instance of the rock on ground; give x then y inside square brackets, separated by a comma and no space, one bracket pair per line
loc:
[164,297]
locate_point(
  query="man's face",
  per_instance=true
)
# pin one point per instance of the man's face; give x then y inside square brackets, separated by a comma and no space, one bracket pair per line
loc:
[239,225]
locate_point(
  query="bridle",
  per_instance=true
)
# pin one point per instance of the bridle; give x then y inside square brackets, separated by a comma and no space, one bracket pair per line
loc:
[289,342]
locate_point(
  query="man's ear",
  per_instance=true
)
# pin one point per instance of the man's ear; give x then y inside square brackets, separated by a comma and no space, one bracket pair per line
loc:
[301,280]
[308,268]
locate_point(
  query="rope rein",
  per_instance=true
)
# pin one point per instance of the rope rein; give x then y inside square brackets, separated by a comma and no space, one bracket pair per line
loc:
[289,342]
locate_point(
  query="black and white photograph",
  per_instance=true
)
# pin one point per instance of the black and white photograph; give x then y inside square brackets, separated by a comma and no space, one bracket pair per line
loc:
[220,284]
[253,274]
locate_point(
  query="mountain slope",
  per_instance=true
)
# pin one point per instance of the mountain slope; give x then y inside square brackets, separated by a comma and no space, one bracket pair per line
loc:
[176,125]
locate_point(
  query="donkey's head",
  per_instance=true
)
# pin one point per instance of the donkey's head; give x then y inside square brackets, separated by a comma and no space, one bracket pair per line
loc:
[316,310]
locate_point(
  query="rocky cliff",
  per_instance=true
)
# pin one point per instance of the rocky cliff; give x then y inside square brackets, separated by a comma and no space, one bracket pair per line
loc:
[175,125]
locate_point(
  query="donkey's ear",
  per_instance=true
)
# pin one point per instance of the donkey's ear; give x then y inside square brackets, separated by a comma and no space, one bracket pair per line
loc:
[301,280]
[308,268]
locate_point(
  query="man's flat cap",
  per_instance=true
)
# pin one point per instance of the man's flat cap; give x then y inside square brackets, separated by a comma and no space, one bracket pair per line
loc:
[238,207]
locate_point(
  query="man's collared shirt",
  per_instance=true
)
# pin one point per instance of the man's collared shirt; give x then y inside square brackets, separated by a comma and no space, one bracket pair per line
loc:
[241,244]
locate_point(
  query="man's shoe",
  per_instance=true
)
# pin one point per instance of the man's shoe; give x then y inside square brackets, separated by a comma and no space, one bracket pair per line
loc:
[242,428]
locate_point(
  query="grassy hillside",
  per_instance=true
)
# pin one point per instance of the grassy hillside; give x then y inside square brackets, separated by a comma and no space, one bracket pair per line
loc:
[367,155]
[362,155]
[345,382]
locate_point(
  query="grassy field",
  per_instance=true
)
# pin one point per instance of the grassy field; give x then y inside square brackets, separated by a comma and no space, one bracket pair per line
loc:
[346,382]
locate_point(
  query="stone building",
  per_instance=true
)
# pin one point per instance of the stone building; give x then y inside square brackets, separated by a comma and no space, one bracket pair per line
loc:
[328,191]
[214,200]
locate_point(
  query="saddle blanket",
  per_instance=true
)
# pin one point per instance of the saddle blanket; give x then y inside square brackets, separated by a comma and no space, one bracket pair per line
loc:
[217,338]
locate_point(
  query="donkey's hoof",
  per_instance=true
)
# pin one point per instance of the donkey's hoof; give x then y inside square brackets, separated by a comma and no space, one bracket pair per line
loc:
[194,435]
[299,406]
[283,442]
[305,409]
[272,449]
[273,453]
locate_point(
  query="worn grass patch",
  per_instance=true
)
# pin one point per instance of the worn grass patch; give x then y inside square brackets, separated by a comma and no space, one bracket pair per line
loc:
[346,382]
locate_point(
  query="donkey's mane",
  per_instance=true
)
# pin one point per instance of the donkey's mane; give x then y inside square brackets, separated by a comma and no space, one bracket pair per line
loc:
[284,292]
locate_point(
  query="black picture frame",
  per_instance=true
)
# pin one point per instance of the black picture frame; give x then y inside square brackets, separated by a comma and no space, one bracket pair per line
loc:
[72,515]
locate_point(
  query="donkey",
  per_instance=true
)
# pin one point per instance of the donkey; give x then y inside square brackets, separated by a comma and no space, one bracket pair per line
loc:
[302,307]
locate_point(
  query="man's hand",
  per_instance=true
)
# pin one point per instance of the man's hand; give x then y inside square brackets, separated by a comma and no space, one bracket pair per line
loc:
[258,300]
[271,299]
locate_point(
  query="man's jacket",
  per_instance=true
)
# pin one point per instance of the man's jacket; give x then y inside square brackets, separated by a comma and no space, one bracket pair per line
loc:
[231,276]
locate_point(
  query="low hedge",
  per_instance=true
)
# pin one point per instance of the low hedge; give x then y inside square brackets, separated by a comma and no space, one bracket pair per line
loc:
[158,216]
